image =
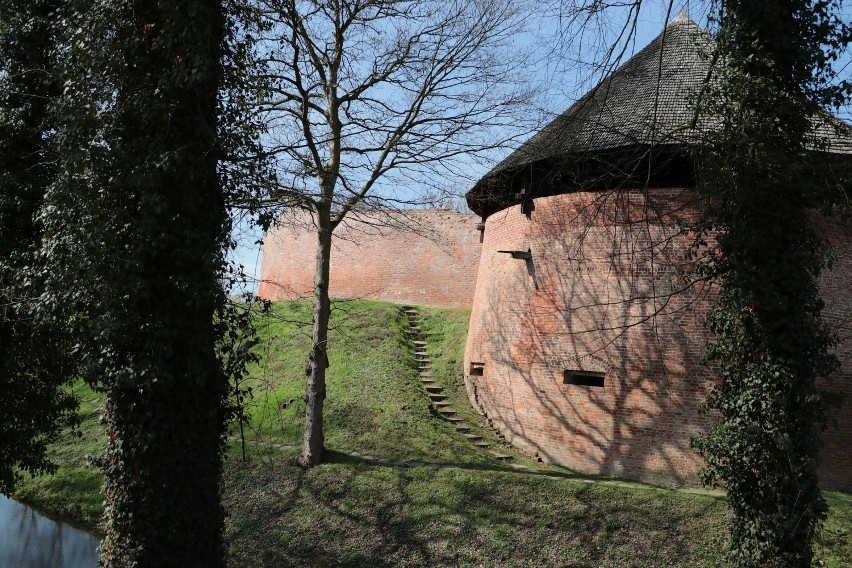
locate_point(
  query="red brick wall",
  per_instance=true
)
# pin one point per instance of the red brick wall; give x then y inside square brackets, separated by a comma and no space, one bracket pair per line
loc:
[424,257]
[596,296]
[836,285]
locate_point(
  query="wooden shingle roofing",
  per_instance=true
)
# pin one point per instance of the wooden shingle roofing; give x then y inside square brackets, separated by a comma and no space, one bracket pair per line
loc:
[649,101]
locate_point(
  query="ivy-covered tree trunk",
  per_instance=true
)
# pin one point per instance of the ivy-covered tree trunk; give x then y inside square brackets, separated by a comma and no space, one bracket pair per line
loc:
[137,227]
[33,365]
[164,415]
[771,343]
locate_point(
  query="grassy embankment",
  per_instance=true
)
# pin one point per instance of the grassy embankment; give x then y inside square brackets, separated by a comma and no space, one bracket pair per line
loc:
[357,512]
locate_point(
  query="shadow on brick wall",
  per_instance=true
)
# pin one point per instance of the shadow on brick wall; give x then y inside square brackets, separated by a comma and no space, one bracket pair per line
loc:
[591,349]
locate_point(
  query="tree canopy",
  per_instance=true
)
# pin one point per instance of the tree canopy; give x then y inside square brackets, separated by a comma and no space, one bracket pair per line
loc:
[34,353]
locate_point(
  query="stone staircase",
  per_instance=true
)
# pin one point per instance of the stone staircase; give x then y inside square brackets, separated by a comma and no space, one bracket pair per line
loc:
[438,400]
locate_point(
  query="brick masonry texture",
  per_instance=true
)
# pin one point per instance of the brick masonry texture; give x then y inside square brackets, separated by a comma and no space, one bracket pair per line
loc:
[836,286]
[603,294]
[427,257]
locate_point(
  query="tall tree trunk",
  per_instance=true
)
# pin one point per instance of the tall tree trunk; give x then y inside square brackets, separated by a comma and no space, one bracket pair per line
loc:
[163,466]
[152,225]
[771,342]
[313,445]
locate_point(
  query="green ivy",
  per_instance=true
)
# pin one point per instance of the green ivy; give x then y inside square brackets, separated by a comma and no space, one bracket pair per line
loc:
[763,185]
[33,361]
[135,234]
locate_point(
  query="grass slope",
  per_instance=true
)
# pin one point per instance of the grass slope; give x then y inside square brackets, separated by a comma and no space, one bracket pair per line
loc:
[375,403]
[356,512]
[73,492]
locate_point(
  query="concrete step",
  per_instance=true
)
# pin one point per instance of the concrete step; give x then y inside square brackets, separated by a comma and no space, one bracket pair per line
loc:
[482,444]
[419,343]
[499,456]
[462,427]
[442,403]
[473,437]
[448,411]
[453,418]
[437,397]
[435,389]
[427,381]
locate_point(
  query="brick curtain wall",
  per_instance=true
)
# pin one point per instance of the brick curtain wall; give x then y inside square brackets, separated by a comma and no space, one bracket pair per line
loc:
[424,257]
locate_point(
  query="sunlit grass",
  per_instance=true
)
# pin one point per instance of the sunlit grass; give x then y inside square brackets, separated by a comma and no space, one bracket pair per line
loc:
[472,511]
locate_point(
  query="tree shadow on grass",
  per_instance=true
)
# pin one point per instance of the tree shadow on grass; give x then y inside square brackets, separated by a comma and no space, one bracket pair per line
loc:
[351,514]
[345,458]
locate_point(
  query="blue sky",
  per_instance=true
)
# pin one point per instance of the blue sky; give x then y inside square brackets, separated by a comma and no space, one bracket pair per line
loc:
[571,60]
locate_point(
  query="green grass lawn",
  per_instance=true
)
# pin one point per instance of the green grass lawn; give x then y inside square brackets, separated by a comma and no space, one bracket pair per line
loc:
[470,511]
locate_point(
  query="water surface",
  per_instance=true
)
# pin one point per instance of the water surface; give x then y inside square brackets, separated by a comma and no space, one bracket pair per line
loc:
[30,540]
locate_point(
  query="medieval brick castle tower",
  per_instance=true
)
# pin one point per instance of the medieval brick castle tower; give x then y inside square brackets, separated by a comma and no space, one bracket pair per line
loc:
[585,339]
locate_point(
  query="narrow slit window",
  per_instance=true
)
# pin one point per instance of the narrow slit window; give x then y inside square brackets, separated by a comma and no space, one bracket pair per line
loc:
[477,369]
[583,378]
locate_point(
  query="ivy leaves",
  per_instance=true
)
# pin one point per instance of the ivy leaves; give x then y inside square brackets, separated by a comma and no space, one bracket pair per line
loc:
[763,184]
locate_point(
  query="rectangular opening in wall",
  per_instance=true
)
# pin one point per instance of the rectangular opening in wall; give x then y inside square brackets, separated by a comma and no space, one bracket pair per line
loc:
[477,369]
[583,378]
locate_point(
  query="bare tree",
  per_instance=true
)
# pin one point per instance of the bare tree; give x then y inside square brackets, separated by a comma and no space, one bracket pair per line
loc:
[374,102]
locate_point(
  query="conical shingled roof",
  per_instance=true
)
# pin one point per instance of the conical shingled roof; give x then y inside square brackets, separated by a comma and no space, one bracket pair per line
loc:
[648,101]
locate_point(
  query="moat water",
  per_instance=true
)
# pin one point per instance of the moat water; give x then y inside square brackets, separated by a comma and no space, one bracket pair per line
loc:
[28,539]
